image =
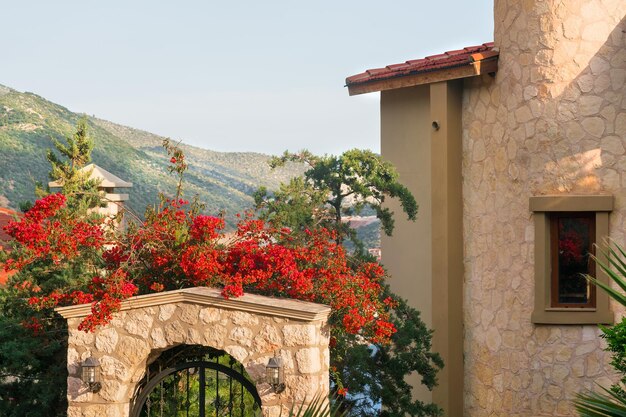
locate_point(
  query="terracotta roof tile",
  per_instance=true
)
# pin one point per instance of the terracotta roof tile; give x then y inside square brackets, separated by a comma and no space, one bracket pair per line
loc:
[457,52]
[437,62]
[421,61]
[377,71]
[437,57]
[356,78]
[395,67]
[472,49]
[4,276]
[6,216]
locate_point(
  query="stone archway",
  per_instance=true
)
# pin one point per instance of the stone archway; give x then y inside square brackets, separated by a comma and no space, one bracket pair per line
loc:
[197,381]
[249,328]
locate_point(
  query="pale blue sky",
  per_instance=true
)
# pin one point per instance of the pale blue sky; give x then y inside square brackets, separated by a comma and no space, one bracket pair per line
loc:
[259,76]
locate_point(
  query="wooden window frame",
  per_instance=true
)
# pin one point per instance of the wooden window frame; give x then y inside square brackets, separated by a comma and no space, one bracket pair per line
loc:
[544,208]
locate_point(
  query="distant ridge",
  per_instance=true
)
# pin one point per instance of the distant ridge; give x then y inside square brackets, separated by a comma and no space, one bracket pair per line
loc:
[222,180]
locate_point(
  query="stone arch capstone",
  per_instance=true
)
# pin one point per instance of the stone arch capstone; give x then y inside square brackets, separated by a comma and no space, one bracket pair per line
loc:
[251,329]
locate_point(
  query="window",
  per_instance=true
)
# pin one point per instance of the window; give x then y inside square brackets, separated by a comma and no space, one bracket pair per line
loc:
[572,236]
[566,229]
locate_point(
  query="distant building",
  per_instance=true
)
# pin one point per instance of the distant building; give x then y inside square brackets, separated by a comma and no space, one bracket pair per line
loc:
[6,215]
[375,252]
[109,183]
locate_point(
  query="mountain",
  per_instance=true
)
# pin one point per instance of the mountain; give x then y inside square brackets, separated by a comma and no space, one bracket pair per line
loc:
[222,180]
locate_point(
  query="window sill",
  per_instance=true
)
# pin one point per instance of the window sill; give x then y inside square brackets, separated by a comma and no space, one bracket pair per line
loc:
[572,316]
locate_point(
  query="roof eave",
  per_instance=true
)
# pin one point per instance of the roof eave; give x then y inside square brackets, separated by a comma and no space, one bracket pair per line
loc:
[489,65]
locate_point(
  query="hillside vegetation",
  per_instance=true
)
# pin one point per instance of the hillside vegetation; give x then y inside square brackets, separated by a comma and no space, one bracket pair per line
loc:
[222,180]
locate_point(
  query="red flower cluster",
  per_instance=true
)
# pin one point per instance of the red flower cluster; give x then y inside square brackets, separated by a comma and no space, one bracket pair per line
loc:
[109,293]
[571,247]
[206,227]
[176,248]
[44,234]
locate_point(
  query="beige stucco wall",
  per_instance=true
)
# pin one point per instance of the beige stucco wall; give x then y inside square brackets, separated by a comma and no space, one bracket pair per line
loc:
[424,257]
[552,121]
[405,140]
[405,127]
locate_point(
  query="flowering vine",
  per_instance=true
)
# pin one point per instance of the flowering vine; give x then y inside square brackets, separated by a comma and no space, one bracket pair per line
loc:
[177,247]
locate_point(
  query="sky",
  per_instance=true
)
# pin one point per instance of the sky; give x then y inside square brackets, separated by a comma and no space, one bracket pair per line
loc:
[262,76]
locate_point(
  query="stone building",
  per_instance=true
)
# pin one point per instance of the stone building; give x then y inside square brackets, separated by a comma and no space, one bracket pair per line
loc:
[514,150]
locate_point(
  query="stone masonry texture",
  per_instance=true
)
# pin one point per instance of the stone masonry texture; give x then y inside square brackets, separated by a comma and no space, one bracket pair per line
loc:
[135,337]
[552,121]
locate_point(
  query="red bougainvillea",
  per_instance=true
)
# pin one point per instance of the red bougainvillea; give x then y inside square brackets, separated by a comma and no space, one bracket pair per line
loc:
[40,234]
[176,247]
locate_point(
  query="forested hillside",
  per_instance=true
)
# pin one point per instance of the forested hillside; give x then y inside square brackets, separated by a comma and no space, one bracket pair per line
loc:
[224,181]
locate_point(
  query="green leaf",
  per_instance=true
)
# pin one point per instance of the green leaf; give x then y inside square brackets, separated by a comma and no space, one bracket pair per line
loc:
[594,404]
[615,270]
[318,407]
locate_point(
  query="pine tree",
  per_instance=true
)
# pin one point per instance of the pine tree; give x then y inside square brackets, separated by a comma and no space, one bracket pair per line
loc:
[67,169]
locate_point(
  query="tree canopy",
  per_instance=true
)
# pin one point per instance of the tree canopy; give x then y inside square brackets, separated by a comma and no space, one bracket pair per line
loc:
[334,186]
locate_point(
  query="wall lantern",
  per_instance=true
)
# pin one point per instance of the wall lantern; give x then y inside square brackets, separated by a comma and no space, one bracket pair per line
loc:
[91,374]
[275,374]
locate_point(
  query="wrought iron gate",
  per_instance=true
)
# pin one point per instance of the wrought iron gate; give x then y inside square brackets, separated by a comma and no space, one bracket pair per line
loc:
[196,381]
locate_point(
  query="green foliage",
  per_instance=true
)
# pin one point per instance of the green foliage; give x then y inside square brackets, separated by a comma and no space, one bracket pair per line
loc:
[181,386]
[351,182]
[32,366]
[294,205]
[318,408]
[33,347]
[334,186]
[75,154]
[613,401]
[616,344]
[615,268]
[594,404]
[376,374]
[615,335]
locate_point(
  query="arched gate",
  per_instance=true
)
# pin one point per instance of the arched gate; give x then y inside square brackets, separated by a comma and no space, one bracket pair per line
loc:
[196,381]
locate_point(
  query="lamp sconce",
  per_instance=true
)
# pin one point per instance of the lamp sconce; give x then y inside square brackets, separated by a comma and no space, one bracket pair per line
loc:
[275,373]
[90,370]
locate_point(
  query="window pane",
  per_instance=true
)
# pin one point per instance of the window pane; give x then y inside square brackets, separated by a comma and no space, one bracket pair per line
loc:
[574,243]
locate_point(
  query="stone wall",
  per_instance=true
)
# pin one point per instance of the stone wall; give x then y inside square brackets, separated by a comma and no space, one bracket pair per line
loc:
[136,335]
[552,121]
